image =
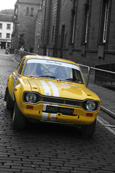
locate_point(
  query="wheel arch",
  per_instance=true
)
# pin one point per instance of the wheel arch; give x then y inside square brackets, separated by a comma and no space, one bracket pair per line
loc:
[17,95]
[10,85]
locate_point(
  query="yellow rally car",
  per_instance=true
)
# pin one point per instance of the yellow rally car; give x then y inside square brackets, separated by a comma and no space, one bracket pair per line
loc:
[52,90]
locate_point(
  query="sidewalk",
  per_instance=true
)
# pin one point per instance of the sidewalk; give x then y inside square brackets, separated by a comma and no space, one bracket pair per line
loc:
[106,96]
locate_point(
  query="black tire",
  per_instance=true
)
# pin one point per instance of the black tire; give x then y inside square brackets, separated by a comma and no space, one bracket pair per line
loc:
[19,121]
[88,130]
[8,99]
[5,96]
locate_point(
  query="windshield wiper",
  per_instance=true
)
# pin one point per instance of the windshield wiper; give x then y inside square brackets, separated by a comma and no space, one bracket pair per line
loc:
[33,76]
[48,76]
[75,80]
[71,79]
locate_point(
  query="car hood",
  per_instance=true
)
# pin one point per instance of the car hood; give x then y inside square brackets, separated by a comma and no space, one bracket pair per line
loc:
[57,88]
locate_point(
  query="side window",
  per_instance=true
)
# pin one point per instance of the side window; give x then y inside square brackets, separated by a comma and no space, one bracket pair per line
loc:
[21,66]
[17,68]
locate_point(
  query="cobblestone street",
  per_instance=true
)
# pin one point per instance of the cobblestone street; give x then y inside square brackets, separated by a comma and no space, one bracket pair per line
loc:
[50,148]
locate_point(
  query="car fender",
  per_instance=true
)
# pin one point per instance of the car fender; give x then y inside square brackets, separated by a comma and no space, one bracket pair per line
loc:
[10,85]
[18,92]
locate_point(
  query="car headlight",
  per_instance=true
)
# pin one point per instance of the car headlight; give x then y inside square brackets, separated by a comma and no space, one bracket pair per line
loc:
[30,97]
[91,105]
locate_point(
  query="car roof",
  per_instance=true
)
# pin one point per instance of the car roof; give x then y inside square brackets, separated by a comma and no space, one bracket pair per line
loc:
[49,58]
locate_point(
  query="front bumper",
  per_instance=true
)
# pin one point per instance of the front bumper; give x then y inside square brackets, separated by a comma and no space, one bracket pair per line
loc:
[39,111]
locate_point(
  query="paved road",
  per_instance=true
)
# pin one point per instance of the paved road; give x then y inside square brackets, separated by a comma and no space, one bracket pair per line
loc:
[45,148]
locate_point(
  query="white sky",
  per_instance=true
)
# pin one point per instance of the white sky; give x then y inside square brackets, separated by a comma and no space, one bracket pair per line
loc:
[7,4]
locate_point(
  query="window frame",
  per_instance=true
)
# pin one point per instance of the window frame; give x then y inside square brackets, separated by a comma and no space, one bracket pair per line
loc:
[104,22]
[8,26]
[32,12]
[8,35]
[21,66]
[1,25]
[27,11]
[86,23]
[73,26]
[53,33]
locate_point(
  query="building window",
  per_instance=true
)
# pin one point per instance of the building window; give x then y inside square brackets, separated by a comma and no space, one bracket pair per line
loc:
[86,23]
[104,21]
[62,40]
[73,27]
[27,11]
[8,26]
[0,25]
[32,12]
[42,35]
[0,35]
[21,40]
[53,33]
[16,11]
[7,35]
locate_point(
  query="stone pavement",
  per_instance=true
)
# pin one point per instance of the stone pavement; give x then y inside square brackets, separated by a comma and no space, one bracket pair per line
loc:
[107,98]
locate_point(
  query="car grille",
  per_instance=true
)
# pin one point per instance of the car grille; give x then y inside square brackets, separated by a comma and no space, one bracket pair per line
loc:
[61,101]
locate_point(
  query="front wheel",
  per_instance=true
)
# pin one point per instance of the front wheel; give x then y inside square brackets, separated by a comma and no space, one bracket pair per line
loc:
[19,121]
[8,99]
[88,130]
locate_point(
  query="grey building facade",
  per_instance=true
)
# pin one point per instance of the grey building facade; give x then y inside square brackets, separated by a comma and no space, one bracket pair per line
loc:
[24,19]
[79,30]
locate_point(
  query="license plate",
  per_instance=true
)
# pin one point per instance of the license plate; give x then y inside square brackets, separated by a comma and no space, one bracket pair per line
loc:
[55,109]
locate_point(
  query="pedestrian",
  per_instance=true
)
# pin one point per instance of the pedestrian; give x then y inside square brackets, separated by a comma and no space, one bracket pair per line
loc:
[22,48]
[21,52]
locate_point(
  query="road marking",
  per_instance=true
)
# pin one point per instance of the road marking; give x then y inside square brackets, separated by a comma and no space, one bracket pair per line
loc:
[108,111]
[106,124]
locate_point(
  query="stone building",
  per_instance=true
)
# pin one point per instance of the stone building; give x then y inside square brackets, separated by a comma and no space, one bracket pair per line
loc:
[38,31]
[24,19]
[6,29]
[50,27]
[80,30]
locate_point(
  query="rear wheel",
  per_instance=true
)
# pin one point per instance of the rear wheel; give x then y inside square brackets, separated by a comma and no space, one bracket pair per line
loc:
[19,121]
[88,130]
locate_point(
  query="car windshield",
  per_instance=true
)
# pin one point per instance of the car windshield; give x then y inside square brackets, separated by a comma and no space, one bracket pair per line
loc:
[53,69]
